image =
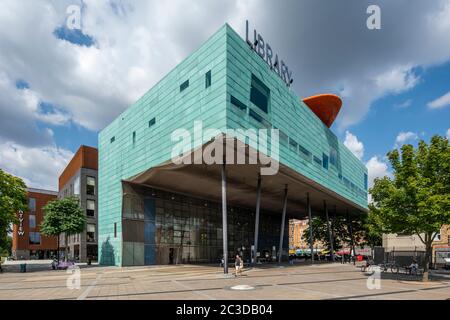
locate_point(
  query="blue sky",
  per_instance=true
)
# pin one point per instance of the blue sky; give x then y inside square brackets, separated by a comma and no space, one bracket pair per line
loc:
[406,112]
[59,87]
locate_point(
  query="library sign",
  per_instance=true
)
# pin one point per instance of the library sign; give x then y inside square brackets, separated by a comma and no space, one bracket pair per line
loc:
[264,50]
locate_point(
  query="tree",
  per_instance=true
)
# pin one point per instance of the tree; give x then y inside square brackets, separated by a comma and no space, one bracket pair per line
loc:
[6,246]
[417,199]
[13,198]
[63,216]
[363,232]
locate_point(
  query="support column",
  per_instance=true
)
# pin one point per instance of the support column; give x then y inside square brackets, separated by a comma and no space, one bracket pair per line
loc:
[283,218]
[258,204]
[224,219]
[311,240]
[350,228]
[330,234]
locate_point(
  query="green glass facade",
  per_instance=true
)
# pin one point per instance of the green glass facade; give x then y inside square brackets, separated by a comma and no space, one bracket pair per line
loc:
[224,84]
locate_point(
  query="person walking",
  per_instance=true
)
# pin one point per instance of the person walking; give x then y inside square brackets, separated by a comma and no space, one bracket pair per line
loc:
[237,265]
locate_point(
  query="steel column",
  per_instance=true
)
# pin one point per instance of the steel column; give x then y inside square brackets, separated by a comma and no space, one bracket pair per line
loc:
[311,240]
[283,218]
[258,204]
[224,219]
[350,227]
[330,235]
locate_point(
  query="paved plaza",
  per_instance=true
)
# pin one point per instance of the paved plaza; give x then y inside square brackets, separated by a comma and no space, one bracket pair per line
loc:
[324,281]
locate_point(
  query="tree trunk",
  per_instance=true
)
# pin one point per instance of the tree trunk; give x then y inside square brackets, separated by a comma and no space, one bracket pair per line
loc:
[57,252]
[66,252]
[428,252]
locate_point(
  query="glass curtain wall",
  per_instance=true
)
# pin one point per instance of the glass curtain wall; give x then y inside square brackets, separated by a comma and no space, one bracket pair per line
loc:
[189,230]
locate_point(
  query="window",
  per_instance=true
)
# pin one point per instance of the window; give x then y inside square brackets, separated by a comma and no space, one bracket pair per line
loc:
[437,237]
[259,94]
[35,238]
[365,181]
[90,232]
[32,221]
[325,161]
[115,229]
[283,137]
[76,186]
[333,157]
[152,122]
[184,85]
[305,154]
[113,139]
[208,79]
[134,137]
[90,208]
[317,160]
[32,204]
[90,186]
[234,101]
[293,145]
[256,116]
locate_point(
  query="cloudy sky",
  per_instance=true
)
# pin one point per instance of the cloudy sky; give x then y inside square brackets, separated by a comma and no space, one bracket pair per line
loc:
[59,87]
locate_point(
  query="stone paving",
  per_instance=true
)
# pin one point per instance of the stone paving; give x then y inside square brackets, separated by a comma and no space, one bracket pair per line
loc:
[324,281]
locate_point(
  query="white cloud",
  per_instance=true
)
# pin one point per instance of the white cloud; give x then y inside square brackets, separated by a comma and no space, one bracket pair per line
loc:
[397,80]
[38,167]
[404,137]
[403,105]
[354,145]
[377,168]
[440,102]
[448,134]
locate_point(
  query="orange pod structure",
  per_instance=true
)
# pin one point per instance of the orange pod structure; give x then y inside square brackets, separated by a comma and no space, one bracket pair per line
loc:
[325,106]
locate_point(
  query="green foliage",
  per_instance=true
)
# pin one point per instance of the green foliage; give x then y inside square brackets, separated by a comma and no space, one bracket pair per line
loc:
[63,216]
[6,246]
[13,197]
[364,233]
[417,199]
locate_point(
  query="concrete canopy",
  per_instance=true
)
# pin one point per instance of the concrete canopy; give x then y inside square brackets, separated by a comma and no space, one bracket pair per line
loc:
[204,181]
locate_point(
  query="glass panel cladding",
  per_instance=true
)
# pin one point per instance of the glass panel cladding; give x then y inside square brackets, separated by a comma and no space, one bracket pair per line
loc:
[365,181]
[90,208]
[90,232]
[90,186]
[333,157]
[208,79]
[259,94]
[32,221]
[184,85]
[189,230]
